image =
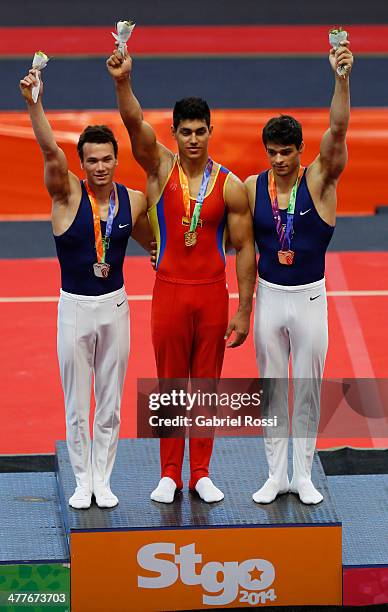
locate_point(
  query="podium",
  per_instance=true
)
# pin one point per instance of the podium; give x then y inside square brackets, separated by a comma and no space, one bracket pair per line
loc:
[143,555]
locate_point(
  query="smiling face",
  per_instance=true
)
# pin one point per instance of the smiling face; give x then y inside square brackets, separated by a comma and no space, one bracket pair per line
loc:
[192,136]
[99,163]
[284,159]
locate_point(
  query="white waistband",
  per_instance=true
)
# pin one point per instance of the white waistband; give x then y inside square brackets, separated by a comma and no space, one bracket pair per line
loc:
[306,287]
[92,298]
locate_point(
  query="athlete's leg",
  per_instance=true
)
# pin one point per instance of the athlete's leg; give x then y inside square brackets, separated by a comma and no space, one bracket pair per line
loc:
[309,341]
[172,331]
[111,359]
[76,346]
[272,353]
[211,321]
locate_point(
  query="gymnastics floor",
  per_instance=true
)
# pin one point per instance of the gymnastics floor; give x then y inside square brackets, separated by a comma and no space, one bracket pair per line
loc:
[31,396]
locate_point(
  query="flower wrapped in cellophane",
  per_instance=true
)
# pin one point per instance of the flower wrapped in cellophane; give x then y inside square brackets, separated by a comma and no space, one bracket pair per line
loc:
[38,63]
[124,30]
[336,37]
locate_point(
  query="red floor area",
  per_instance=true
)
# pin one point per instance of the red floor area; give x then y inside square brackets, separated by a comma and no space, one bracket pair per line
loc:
[31,396]
[191,40]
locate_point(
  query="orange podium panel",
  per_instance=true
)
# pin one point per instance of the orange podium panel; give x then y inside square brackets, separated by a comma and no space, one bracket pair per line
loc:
[193,569]
[236,143]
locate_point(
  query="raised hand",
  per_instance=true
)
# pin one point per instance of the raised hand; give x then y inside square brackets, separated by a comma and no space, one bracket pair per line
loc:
[119,66]
[27,83]
[342,57]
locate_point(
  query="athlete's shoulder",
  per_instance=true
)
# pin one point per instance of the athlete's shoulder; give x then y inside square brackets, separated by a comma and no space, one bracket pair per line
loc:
[134,192]
[224,169]
[233,185]
[234,178]
[137,197]
[251,183]
[251,180]
[138,203]
[131,192]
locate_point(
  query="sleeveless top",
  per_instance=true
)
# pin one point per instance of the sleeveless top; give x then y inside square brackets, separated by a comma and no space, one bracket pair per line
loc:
[77,253]
[205,261]
[309,242]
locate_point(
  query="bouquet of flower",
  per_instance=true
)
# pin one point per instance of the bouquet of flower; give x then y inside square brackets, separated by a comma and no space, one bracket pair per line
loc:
[336,37]
[124,30]
[38,63]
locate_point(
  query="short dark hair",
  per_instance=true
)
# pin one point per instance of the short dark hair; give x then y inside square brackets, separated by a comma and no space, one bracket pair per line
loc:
[283,130]
[97,134]
[191,108]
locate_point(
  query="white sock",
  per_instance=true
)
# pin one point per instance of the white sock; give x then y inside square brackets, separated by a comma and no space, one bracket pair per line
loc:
[269,491]
[81,498]
[308,494]
[104,497]
[165,491]
[208,491]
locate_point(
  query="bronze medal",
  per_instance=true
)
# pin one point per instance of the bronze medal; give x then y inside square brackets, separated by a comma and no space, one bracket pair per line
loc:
[101,269]
[190,239]
[286,257]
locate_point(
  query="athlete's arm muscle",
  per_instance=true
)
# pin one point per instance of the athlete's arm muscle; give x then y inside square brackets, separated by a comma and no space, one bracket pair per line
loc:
[240,228]
[250,185]
[57,178]
[141,231]
[324,172]
[148,152]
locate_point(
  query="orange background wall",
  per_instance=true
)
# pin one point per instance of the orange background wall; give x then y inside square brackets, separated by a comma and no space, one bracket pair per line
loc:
[236,143]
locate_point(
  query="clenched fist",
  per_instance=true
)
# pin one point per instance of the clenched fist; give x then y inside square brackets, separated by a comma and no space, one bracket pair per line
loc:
[119,65]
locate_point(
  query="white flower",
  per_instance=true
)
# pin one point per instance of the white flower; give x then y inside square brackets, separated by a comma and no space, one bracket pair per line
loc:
[124,31]
[336,37]
[40,60]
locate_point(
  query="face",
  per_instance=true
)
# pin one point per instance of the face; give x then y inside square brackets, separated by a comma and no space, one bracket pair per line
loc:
[192,136]
[99,163]
[284,159]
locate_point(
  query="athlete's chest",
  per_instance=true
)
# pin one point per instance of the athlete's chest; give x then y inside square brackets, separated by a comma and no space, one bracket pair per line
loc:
[283,199]
[176,205]
[266,214]
[196,184]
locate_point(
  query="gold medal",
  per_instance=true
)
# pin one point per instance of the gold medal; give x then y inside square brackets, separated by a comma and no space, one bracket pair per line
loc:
[286,257]
[190,239]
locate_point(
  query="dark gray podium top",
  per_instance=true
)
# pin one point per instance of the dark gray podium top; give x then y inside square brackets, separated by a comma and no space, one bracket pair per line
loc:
[238,468]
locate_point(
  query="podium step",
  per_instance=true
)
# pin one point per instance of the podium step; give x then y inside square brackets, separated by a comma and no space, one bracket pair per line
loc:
[34,553]
[362,504]
[162,557]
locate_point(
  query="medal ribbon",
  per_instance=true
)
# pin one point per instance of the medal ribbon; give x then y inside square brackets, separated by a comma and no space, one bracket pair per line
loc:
[285,235]
[201,193]
[101,243]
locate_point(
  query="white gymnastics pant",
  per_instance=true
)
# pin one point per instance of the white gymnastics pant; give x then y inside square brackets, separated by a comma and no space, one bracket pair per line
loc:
[93,339]
[292,321]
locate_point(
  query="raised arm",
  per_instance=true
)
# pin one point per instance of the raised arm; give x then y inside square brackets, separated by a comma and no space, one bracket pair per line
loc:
[241,237]
[149,153]
[57,177]
[333,155]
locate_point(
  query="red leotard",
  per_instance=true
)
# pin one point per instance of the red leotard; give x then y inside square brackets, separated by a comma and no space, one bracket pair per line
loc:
[189,305]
